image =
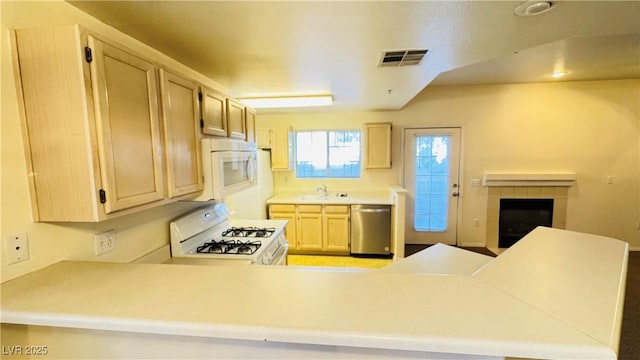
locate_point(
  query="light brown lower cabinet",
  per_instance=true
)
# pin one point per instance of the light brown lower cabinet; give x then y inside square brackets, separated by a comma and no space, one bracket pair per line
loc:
[314,228]
[336,226]
[286,212]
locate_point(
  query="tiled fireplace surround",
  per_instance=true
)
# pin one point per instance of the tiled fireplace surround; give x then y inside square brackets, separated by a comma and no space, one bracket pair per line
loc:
[559,195]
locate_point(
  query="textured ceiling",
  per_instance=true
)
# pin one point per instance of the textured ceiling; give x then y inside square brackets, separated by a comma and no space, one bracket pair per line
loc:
[267,48]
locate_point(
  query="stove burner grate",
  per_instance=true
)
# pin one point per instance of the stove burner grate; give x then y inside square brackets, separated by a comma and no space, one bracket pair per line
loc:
[234,247]
[248,231]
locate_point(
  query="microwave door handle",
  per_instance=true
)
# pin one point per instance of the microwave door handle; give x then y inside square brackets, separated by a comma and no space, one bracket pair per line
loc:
[252,168]
[255,169]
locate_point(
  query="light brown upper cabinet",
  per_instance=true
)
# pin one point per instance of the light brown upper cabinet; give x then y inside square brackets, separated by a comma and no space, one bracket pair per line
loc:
[128,133]
[377,145]
[263,138]
[280,140]
[91,125]
[250,115]
[181,125]
[235,120]
[214,112]
[281,148]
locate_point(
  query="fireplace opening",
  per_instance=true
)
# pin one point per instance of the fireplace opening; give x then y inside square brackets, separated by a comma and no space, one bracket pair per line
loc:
[519,216]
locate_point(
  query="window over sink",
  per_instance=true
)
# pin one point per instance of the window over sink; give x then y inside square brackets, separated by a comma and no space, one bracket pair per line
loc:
[328,154]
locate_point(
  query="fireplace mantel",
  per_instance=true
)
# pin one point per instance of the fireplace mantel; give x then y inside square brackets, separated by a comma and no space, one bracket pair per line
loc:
[528,179]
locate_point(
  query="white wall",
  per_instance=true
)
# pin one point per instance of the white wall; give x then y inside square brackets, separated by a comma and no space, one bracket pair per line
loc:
[591,128]
[51,242]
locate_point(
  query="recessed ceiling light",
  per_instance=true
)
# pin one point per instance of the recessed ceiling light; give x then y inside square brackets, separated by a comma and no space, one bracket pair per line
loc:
[531,8]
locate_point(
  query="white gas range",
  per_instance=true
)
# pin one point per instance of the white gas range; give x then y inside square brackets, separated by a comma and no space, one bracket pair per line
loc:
[207,233]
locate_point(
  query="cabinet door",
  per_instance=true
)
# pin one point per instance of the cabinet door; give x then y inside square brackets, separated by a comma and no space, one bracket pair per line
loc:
[181,121]
[250,121]
[309,231]
[214,114]
[235,120]
[377,143]
[286,212]
[281,148]
[290,230]
[336,234]
[336,228]
[57,99]
[263,138]
[309,223]
[129,146]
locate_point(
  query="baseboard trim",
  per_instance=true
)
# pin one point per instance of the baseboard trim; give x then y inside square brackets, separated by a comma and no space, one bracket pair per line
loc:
[482,245]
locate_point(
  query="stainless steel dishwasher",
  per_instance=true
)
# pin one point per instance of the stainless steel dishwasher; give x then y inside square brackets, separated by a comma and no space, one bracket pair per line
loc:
[370,229]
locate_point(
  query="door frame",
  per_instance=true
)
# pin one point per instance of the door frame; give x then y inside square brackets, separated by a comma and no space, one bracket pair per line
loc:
[403,161]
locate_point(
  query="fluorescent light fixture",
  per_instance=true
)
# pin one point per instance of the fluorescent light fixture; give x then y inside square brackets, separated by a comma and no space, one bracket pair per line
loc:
[288,101]
[558,74]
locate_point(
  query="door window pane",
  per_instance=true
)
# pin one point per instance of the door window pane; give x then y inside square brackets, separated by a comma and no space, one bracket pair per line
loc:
[432,179]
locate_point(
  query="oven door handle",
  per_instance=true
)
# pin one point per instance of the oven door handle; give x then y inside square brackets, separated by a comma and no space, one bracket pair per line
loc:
[280,254]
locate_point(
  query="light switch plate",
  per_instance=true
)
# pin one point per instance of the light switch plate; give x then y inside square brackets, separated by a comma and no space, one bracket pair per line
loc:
[17,248]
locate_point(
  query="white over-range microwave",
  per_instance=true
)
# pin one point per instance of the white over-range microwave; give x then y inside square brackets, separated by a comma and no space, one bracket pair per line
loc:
[228,166]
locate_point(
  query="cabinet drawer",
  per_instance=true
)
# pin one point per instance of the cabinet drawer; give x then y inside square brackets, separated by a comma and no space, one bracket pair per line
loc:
[336,209]
[282,208]
[310,208]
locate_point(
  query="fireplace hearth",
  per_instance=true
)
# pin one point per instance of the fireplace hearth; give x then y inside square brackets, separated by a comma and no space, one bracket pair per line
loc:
[519,216]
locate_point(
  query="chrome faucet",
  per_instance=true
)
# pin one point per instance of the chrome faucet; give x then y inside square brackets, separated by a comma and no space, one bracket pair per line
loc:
[323,188]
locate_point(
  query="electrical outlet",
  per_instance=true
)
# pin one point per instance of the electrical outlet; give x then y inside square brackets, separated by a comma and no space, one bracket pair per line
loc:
[17,248]
[105,242]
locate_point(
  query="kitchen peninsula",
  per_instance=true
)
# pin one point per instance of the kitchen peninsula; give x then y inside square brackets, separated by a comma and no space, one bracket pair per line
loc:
[555,294]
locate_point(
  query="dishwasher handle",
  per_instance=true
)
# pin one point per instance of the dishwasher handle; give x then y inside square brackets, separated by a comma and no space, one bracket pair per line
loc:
[371,210]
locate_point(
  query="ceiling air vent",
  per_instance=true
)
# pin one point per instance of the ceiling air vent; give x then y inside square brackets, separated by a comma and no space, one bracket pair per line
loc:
[402,57]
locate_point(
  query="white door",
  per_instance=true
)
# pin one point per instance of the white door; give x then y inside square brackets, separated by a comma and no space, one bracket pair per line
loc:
[431,167]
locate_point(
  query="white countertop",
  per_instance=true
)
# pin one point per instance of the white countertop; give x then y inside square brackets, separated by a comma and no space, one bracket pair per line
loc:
[512,306]
[575,277]
[440,259]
